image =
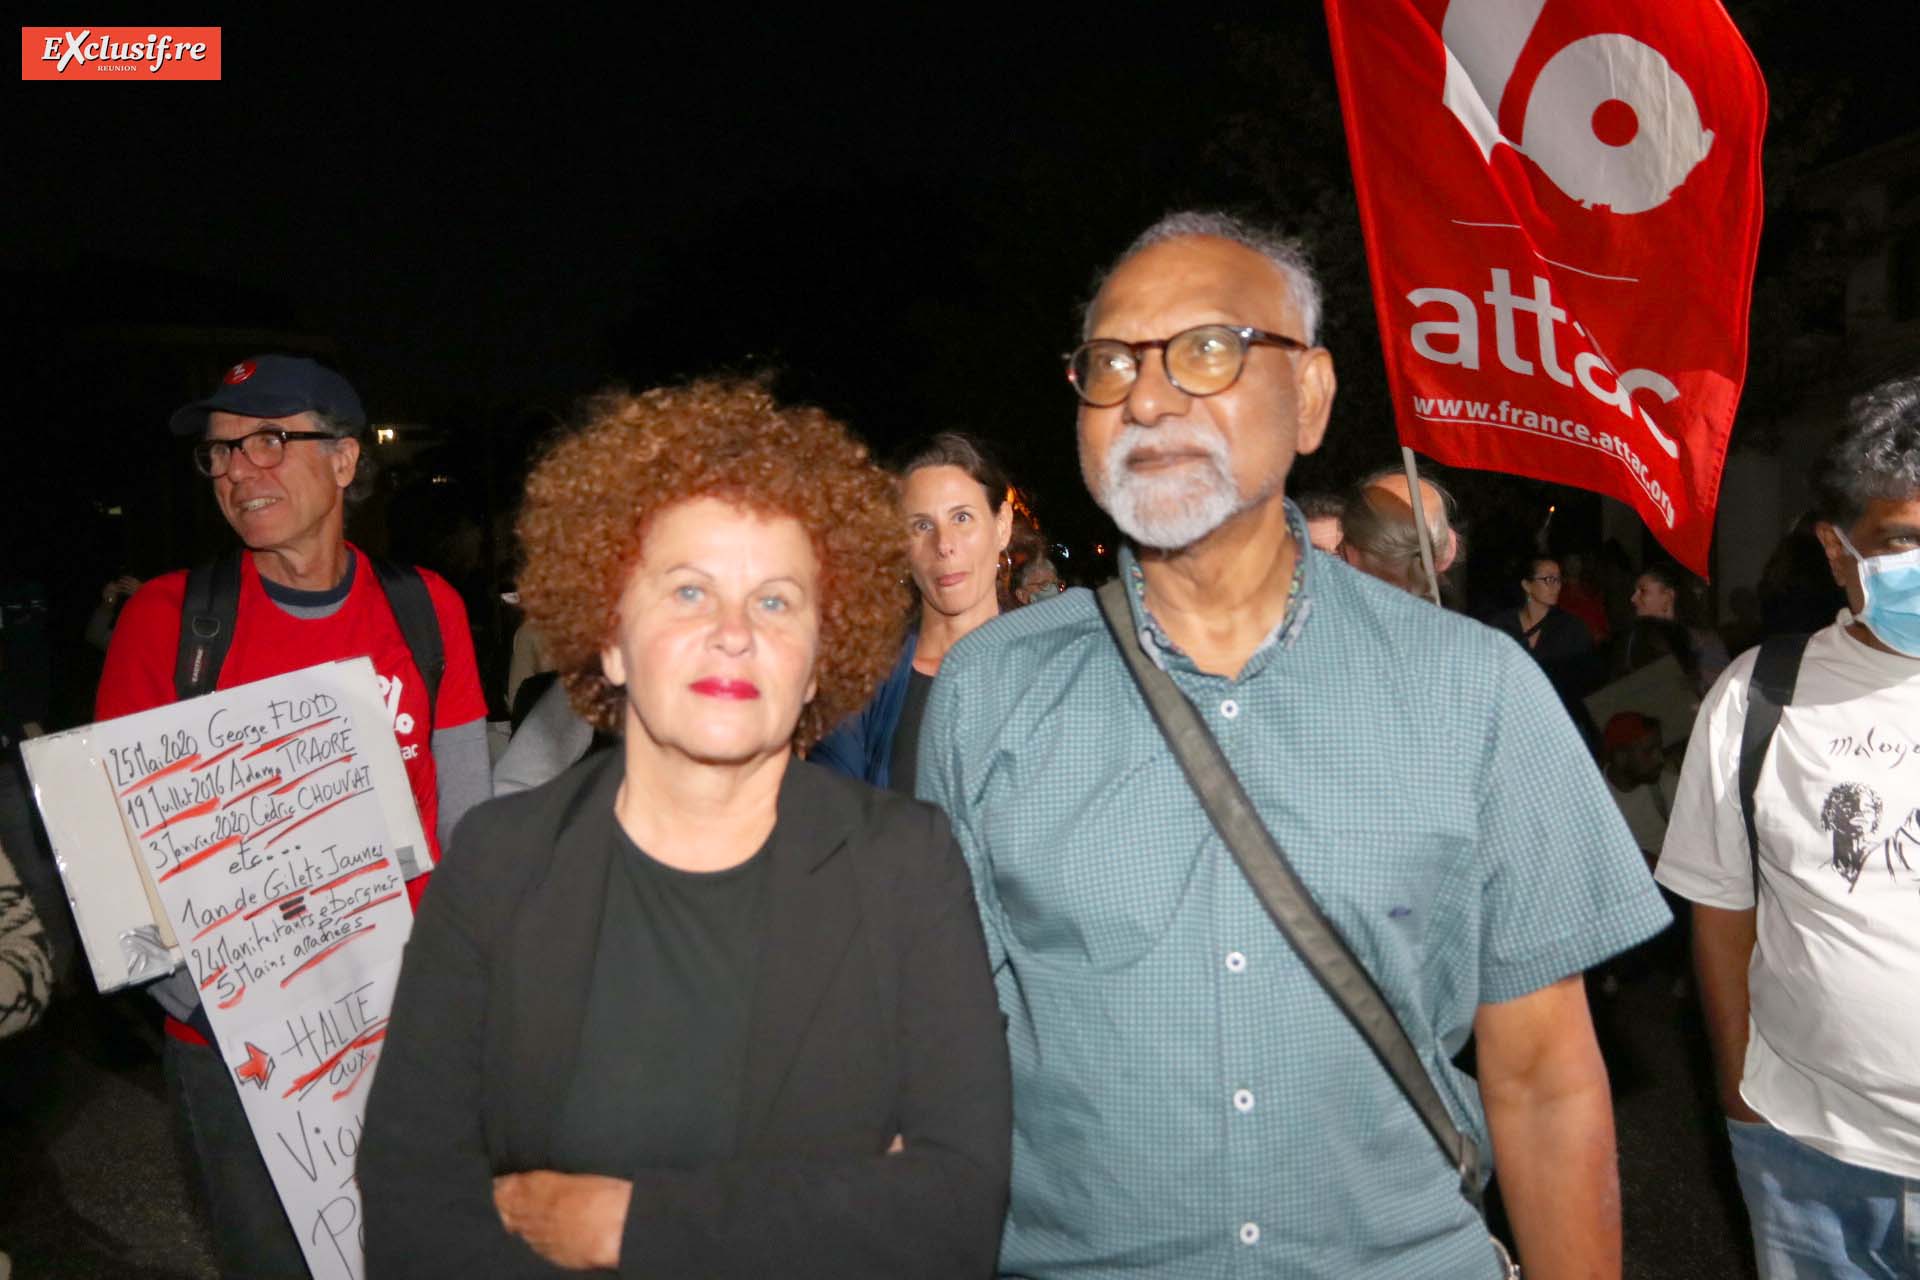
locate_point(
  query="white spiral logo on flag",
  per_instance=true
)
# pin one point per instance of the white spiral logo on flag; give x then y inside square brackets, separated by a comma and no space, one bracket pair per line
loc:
[1609,120]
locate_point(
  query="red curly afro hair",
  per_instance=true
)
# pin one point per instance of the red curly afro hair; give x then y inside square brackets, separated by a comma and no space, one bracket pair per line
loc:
[593,494]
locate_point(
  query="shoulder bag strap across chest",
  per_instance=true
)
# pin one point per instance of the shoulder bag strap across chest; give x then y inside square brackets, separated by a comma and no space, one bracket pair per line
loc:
[1299,918]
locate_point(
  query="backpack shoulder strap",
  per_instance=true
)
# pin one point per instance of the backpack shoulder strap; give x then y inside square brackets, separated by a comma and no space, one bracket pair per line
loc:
[1776,669]
[412,607]
[206,624]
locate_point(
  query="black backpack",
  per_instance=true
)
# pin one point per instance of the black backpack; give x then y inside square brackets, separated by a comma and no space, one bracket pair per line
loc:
[213,600]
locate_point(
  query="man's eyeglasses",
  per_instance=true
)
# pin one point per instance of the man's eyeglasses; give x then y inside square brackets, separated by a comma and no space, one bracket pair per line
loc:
[1202,361]
[264,449]
[1547,580]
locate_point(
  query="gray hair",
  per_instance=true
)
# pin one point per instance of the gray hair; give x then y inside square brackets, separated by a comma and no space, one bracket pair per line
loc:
[1284,252]
[1388,538]
[1876,455]
[1030,567]
[366,469]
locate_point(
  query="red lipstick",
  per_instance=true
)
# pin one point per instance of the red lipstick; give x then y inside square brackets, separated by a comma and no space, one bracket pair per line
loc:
[714,687]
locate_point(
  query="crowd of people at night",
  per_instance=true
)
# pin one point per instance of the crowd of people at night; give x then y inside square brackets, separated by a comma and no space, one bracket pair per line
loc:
[851,898]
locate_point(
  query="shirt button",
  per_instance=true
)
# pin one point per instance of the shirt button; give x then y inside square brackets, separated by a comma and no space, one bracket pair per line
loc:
[1229,708]
[1243,1100]
[1236,962]
[1249,1233]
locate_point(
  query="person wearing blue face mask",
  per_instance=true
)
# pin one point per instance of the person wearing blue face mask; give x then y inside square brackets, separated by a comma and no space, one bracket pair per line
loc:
[1804,871]
[1889,589]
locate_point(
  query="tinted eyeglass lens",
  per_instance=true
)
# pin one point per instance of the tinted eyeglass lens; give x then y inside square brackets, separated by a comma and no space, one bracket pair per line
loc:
[263,448]
[1102,371]
[1205,360]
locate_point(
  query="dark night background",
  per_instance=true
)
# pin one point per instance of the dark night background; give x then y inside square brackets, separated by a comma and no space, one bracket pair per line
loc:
[479,222]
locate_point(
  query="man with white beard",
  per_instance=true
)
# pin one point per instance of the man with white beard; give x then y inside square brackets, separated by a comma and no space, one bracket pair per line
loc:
[1189,1100]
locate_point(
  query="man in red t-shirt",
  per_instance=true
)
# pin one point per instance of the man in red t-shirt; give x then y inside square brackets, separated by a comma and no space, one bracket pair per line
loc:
[280,439]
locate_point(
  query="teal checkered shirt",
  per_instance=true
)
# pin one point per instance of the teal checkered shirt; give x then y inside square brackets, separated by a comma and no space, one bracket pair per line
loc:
[1187,1100]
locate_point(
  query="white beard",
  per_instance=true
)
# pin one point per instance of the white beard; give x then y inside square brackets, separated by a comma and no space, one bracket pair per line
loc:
[1168,510]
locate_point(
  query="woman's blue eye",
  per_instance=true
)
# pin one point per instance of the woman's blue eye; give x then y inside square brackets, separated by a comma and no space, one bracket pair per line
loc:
[774,604]
[689,593]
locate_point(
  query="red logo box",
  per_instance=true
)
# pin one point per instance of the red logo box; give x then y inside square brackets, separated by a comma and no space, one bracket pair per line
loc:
[120,53]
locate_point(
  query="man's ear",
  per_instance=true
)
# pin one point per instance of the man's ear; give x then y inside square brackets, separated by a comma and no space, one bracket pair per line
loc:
[1314,384]
[1446,555]
[346,460]
[1846,572]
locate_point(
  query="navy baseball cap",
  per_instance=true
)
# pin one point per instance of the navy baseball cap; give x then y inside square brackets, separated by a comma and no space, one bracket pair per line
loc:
[274,387]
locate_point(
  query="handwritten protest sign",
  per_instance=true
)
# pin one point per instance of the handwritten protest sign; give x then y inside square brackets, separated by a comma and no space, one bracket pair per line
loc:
[261,820]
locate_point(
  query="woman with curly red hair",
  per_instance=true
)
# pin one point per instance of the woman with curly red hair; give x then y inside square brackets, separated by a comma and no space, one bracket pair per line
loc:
[697,1007]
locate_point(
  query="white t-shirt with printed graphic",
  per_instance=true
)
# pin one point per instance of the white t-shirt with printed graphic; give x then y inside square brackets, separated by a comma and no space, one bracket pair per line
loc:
[1833,1046]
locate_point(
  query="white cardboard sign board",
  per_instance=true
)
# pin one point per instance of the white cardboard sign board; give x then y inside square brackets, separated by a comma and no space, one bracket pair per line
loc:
[262,835]
[127,937]
[1660,690]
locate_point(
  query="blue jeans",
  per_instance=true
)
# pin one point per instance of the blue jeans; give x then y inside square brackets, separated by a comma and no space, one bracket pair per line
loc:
[250,1233]
[1818,1218]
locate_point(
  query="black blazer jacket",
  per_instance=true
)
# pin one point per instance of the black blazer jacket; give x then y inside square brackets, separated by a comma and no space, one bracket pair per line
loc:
[873,1015]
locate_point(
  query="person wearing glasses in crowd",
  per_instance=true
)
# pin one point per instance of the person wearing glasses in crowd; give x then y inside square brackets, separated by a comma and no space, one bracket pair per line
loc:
[1037,580]
[698,1007]
[280,442]
[1549,632]
[958,522]
[1187,1099]
[1557,640]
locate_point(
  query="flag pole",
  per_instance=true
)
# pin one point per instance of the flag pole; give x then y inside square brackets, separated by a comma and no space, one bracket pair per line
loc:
[1420,523]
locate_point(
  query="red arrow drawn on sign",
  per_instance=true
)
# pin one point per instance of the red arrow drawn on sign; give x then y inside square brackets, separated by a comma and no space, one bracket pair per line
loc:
[258,1067]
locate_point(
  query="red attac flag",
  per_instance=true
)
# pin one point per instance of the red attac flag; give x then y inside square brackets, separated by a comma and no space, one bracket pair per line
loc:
[1561,200]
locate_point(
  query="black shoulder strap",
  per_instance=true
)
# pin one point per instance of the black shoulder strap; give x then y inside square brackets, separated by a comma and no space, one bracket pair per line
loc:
[1300,920]
[1776,669]
[206,625]
[413,609]
[207,613]
[212,602]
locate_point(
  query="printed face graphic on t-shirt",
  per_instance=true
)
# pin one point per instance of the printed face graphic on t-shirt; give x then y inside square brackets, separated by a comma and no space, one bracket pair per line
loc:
[1852,813]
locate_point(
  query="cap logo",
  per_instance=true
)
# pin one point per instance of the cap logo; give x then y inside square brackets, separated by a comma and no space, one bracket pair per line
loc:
[239,373]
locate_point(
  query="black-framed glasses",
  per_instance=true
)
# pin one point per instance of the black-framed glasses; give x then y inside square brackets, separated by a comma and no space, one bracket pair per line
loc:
[1548,579]
[264,449]
[1202,361]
